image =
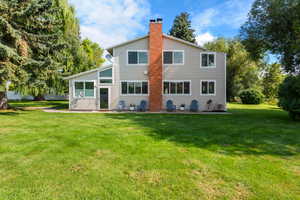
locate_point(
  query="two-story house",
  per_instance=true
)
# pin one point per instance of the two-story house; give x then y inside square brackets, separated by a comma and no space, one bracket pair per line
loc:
[155,68]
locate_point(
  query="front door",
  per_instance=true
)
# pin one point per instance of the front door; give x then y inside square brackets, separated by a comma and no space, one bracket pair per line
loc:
[104,98]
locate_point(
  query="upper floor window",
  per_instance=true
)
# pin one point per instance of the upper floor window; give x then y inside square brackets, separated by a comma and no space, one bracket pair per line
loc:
[134,87]
[177,87]
[208,60]
[137,57]
[173,57]
[84,89]
[106,76]
[208,87]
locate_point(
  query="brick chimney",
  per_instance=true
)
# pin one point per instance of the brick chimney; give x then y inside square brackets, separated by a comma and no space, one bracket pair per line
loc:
[155,66]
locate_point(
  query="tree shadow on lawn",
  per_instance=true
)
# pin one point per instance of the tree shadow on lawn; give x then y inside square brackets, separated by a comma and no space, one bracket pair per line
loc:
[8,113]
[257,132]
[49,104]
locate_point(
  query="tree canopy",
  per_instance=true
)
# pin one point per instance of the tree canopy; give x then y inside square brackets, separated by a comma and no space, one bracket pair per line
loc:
[31,41]
[242,71]
[182,28]
[274,26]
[272,78]
[39,44]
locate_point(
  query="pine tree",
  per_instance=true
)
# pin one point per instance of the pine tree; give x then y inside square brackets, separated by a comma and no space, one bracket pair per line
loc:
[39,44]
[30,42]
[182,28]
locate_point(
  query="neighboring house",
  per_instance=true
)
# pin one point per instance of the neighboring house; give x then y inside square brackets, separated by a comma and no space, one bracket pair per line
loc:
[155,68]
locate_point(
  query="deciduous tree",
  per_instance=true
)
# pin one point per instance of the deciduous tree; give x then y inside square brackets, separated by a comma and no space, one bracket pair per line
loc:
[242,71]
[274,26]
[272,78]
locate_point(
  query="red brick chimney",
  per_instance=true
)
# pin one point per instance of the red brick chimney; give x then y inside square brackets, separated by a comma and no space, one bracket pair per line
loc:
[155,66]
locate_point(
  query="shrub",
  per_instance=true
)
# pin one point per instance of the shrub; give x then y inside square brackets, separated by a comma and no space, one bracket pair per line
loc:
[289,96]
[251,96]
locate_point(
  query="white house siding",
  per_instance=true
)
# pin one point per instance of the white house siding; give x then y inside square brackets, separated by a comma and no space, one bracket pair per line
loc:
[83,103]
[129,72]
[191,71]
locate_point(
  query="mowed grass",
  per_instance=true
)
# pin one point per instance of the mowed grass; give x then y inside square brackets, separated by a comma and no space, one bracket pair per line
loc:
[252,154]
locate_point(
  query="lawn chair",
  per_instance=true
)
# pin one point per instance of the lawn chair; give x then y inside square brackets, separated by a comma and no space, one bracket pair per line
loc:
[170,106]
[121,105]
[143,106]
[194,107]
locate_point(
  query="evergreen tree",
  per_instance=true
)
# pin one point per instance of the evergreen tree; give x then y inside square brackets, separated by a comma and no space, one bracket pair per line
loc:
[182,28]
[30,40]
[39,44]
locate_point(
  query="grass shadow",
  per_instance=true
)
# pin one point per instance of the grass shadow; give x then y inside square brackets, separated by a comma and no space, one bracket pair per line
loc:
[246,131]
[9,113]
[46,104]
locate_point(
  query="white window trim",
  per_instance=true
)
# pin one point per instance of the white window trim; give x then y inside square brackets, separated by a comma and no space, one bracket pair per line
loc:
[143,64]
[84,97]
[173,57]
[107,78]
[214,94]
[215,59]
[176,81]
[133,81]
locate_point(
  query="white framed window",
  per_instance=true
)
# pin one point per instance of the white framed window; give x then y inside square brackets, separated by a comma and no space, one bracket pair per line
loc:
[137,57]
[134,87]
[84,89]
[177,87]
[173,57]
[105,76]
[208,60]
[208,87]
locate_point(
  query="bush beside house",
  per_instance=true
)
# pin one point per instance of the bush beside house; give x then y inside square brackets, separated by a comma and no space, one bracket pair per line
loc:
[251,96]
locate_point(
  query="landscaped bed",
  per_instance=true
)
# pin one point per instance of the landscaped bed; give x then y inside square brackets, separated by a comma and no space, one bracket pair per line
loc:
[252,154]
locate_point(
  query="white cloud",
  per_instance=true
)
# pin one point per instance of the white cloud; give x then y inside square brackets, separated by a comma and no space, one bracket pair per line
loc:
[110,22]
[204,38]
[204,19]
[231,13]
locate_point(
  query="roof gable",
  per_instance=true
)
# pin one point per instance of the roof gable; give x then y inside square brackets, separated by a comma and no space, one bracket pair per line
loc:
[110,49]
[89,71]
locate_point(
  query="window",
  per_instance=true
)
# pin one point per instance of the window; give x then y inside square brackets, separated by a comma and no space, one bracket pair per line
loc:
[208,87]
[173,57]
[84,89]
[208,60]
[134,87]
[106,76]
[168,57]
[177,87]
[137,57]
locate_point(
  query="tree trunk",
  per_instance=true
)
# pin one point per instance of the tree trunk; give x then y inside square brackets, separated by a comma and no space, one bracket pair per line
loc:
[3,101]
[39,98]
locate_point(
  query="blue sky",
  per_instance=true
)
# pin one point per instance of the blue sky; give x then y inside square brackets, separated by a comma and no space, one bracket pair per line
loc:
[110,22]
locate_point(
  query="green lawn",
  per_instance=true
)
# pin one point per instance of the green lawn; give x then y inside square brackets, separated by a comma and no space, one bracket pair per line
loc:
[252,154]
